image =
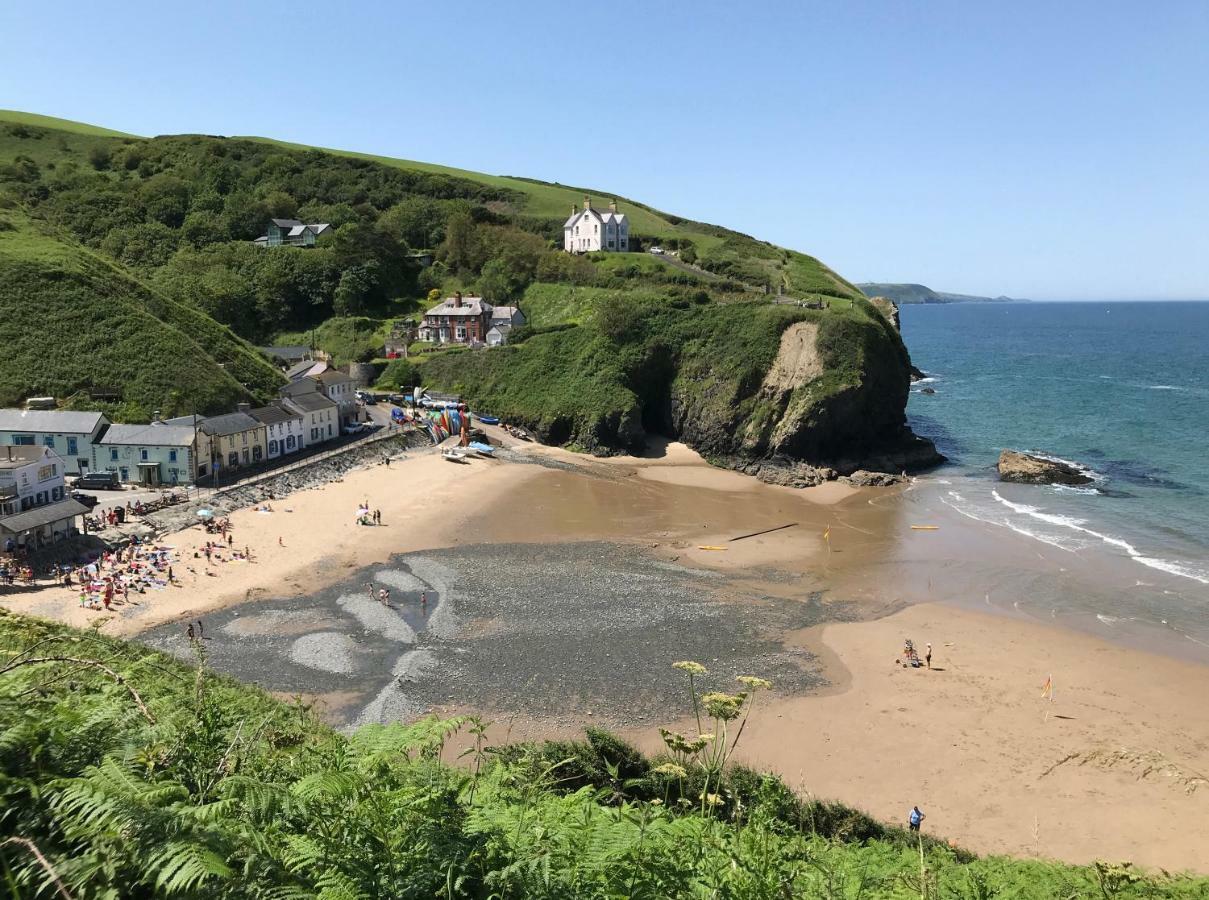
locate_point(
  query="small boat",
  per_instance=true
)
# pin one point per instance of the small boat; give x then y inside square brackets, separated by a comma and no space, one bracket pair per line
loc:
[488,420]
[484,449]
[925,528]
[454,454]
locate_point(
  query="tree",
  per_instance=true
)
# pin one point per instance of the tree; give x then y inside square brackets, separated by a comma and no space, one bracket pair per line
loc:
[98,158]
[357,286]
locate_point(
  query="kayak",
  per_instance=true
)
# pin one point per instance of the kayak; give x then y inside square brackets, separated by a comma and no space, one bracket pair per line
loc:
[488,420]
[485,449]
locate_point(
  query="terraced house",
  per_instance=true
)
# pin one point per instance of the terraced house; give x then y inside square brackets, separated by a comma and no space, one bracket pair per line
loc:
[173,452]
[284,429]
[236,440]
[69,434]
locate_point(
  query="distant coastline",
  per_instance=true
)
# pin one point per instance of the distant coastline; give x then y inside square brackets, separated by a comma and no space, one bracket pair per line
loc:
[919,293]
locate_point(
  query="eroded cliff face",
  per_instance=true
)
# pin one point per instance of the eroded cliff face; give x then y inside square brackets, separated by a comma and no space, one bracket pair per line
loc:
[832,403]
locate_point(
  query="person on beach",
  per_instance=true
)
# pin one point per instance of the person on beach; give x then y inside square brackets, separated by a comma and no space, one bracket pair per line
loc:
[384,597]
[423,598]
[914,818]
[369,586]
[201,633]
[928,656]
[189,632]
[377,517]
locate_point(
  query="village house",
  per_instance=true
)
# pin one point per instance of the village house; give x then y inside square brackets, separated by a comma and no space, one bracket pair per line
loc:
[283,429]
[333,384]
[589,230]
[503,320]
[288,354]
[35,510]
[457,320]
[69,434]
[236,439]
[161,453]
[320,416]
[292,233]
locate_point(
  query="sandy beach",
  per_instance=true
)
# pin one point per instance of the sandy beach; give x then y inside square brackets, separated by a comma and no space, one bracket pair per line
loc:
[568,584]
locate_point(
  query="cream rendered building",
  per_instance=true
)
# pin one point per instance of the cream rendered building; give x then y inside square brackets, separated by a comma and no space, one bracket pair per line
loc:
[589,230]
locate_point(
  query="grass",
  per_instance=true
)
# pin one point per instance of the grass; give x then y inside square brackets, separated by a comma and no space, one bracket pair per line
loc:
[74,320]
[39,121]
[127,773]
[347,339]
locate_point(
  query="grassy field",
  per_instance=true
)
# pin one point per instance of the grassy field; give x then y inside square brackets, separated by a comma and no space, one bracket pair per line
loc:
[127,773]
[74,320]
[39,121]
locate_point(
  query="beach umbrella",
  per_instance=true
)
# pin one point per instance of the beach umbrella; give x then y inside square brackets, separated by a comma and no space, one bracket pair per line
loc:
[205,514]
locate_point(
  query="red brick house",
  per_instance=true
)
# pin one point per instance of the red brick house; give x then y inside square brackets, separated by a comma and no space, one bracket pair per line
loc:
[457,320]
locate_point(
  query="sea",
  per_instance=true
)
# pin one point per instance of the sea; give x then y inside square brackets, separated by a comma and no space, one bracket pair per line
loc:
[1120,389]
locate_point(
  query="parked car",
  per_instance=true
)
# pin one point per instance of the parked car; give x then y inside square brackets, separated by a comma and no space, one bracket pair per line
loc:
[99,481]
[87,499]
[355,428]
[658,251]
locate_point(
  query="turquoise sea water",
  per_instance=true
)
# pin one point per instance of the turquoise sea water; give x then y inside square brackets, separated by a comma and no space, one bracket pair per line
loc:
[1120,388]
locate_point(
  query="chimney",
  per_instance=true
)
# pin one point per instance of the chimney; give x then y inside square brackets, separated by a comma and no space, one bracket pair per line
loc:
[457,300]
[243,407]
[587,202]
[574,209]
[155,418]
[613,205]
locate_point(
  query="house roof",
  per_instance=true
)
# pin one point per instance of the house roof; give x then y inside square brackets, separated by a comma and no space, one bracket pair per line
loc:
[274,414]
[157,434]
[296,371]
[305,385]
[231,423]
[43,515]
[334,376]
[471,306]
[606,216]
[504,313]
[501,329]
[313,401]
[60,421]
[288,352]
[15,457]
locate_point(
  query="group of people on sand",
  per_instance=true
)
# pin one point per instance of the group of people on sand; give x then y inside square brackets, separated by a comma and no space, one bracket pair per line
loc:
[116,574]
[382,595]
[366,517]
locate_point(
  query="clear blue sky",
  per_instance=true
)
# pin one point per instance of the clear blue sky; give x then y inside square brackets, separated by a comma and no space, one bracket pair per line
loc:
[1046,150]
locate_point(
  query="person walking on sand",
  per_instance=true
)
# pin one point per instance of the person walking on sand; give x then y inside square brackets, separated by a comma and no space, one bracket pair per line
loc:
[189,632]
[914,818]
[928,656]
[377,517]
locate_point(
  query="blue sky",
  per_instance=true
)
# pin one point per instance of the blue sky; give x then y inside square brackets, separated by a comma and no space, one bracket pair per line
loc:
[1045,150]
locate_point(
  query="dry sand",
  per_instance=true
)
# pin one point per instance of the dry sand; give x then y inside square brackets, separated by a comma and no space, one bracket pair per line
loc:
[1116,770]
[310,540]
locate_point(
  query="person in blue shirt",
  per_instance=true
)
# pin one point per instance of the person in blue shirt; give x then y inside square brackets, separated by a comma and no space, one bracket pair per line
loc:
[915,817]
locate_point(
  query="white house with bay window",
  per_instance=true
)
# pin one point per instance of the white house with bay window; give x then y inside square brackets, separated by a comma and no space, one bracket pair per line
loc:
[70,434]
[283,427]
[35,510]
[589,230]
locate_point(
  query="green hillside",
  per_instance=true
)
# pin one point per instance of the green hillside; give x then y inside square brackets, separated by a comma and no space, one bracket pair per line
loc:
[16,117]
[124,773]
[677,344]
[74,321]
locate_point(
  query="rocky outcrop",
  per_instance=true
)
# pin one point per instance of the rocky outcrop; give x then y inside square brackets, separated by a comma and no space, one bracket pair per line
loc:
[887,308]
[1027,468]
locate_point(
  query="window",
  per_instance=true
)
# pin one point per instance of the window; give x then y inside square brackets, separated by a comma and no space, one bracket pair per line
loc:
[143,454]
[23,440]
[461,332]
[272,448]
[113,455]
[72,446]
[233,459]
[172,456]
[49,441]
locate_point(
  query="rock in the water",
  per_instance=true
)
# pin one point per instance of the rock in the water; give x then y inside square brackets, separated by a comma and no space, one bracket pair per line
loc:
[1025,468]
[927,390]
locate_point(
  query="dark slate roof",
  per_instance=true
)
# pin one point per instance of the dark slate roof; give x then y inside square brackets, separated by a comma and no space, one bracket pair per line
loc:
[292,351]
[334,376]
[43,515]
[231,423]
[273,415]
[313,401]
[306,385]
[157,434]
